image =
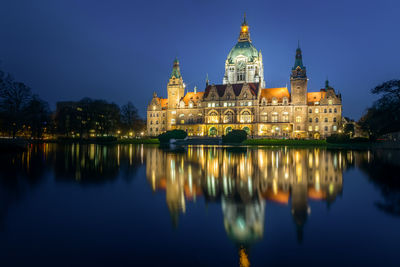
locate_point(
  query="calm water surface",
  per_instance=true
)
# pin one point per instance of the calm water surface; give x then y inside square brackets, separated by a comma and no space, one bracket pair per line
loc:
[135,205]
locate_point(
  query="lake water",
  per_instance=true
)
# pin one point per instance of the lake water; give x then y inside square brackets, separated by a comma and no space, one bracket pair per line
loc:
[135,205]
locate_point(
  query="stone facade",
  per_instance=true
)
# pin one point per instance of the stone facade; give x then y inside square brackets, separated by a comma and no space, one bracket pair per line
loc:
[243,102]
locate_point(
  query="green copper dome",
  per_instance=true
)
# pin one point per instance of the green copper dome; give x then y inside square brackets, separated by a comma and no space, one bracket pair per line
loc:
[245,49]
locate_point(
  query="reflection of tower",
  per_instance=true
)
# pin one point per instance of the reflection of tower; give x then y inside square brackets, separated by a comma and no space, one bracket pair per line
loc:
[244,222]
[175,200]
[299,208]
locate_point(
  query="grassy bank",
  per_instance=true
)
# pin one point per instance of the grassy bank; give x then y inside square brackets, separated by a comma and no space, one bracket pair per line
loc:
[101,141]
[151,141]
[284,142]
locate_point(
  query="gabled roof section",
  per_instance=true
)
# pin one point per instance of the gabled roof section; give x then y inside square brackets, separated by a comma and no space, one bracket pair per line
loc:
[198,96]
[237,88]
[313,97]
[164,102]
[279,93]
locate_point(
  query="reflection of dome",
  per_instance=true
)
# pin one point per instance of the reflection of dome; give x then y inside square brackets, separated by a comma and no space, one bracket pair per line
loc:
[243,222]
[246,49]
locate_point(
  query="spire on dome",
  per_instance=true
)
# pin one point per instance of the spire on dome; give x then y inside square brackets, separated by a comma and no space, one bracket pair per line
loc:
[176,72]
[244,35]
[244,20]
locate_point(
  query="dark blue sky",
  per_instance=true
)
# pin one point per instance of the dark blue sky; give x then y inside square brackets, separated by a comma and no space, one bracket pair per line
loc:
[123,50]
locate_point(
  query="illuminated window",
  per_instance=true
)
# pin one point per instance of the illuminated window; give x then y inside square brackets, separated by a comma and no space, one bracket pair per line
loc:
[264,117]
[225,104]
[173,112]
[330,102]
[316,128]
[298,119]
[274,101]
[285,117]
[190,105]
[172,121]
[274,117]
[316,110]
[310,128]
[334,128]
[249,103]
[182,121]
[181,115]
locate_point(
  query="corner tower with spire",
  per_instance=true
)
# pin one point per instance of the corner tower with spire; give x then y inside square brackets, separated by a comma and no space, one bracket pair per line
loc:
[298,80]
[175,87]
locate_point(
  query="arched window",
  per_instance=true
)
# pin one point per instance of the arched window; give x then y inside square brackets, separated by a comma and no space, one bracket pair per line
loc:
[285,101]
[213,117]
[274,101]
[316,119]
[245,117]
[228,118]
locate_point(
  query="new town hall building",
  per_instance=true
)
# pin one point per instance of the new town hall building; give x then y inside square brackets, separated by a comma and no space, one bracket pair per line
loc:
[243,102]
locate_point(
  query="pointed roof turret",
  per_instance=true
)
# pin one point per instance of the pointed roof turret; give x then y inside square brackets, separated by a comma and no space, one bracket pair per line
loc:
[299,58]
[327,84]
[176,72]
[298,70]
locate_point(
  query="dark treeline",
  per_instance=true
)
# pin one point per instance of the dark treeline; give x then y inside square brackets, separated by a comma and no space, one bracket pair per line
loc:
[383,116]
[25,114]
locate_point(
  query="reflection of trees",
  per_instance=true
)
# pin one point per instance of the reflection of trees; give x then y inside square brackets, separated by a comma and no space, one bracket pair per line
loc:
[383,168]
[243,180]
[95,163]
[19,173]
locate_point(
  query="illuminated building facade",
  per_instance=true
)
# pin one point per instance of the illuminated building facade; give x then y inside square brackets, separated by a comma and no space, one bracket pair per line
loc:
[243,102]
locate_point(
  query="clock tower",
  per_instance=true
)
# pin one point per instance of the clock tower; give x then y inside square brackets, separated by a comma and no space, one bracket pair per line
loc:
[175,87]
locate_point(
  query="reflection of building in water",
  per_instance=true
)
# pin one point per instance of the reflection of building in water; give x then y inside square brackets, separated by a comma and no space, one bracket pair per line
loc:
[244,221]
[243,180]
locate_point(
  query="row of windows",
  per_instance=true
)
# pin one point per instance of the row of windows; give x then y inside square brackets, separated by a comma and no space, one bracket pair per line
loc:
[326,128]
[317,120]
[156,129]
[156,122]
[229,104]
[156,115]
[325,110]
